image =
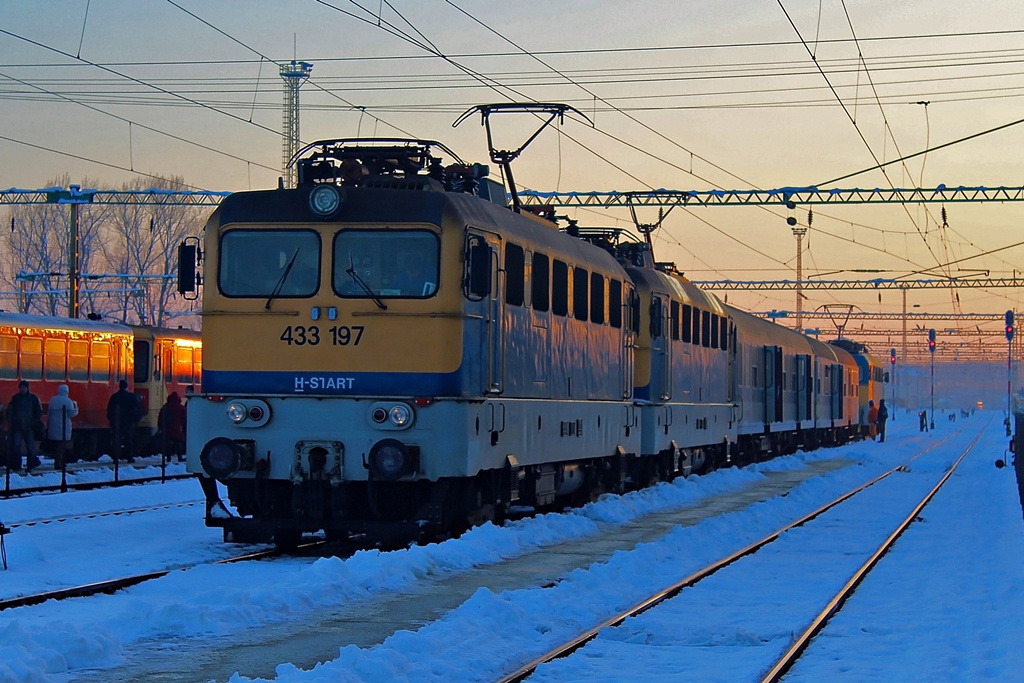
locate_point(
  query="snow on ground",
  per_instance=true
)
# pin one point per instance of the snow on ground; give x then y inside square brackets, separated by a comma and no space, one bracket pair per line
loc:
[967,588]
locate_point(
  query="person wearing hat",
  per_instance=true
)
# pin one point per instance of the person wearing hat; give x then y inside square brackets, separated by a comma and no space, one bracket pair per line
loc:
[23,413]
[59,412]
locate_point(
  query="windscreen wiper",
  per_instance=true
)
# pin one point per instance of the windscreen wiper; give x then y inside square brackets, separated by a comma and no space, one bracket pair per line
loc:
[280,283]
[362,283]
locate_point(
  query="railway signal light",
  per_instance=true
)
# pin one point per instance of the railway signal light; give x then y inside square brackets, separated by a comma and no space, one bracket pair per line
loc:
[931,341]
[1009,326]
[892,356]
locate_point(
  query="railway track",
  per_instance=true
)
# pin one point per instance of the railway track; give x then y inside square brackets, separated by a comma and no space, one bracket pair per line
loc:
[802,635]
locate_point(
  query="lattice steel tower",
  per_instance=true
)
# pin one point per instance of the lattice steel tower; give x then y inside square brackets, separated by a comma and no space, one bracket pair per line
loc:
[294,74]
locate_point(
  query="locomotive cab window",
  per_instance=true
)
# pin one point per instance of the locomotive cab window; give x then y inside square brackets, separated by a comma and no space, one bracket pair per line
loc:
[269,263]
[386,263]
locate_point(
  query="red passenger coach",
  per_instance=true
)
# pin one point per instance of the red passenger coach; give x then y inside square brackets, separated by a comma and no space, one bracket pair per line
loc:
[90,357]
[166,361]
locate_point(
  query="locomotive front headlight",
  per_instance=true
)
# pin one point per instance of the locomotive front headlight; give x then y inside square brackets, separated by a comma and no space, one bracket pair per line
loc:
[400,416]
[324,200]
[237,413]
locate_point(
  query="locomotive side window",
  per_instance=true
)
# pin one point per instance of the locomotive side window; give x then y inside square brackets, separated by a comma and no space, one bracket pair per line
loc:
[714,331]
[539,283]
[686,324]
[31,358]
[696,326]
[559,288]
[597,298]
[8,357]
[515,275]
[674,320]
[723,334]
[78,361]
[100,362]
[580,303]
[615,303]
[269,263]
[55,364]
[705,331]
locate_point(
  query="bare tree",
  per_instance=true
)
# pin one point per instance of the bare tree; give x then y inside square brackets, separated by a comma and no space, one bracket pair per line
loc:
[35,269]
[126,258]
[142,252]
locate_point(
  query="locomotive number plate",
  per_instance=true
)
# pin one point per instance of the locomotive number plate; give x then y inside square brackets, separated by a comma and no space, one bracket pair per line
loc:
[338,335]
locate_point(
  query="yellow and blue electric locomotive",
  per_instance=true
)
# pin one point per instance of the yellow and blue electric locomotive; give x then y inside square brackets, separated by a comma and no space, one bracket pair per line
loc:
[389,348]
[392,352]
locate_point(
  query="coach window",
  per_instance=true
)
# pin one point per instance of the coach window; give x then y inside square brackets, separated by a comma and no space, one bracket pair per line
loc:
[559,287]
[78,361]
[8,357]
[686,324]
[55,365]
[705,328]
[183,365]
[31,358]
[539,283]
[580,300]
[695,327]
[142,359]
[269,263]
[100,362]
[515,274]
[197,365]
[597,298]
[615,303]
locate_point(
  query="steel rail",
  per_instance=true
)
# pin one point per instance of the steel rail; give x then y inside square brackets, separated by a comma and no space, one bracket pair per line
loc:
[114,585]
[799,645]
[672,591]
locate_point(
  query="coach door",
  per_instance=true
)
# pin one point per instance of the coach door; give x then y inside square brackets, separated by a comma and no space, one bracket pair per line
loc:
[836,391]
[483,285]
[804,381]
[773,384]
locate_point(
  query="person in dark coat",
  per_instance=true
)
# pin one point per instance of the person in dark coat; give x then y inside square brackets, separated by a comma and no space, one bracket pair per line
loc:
[171,422]
[883,415]
[124,410]
[23,413]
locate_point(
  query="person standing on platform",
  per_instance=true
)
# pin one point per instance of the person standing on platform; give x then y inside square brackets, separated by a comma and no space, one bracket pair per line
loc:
[59,412]
[124,410]
[24,413]
[872,419]
[172,425]
[883,415]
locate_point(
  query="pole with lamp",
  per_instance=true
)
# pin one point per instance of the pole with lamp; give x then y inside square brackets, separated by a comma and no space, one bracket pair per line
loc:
[931,350]
[892,380]
[1009,369]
